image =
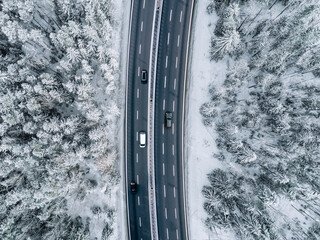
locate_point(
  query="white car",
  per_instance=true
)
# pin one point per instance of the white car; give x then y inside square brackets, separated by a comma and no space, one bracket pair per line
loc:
[142,139]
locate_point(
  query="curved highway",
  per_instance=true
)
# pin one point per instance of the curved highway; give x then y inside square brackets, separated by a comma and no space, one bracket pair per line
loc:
[169,96]
[142,12]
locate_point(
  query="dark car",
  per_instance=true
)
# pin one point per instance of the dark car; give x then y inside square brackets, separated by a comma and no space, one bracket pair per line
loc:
[133,186]
[144,76]
[168,118]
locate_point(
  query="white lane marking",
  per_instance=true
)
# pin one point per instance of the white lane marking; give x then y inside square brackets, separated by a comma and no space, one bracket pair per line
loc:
[140,49]
[173,171]
[167,233]
[144,3]
[137,158]
[168,41]
[164,104]
[137,137]
[172,128]
[141,26]
[139,71]
[166,61]
[178,43]
[174,84]
[137,179]
[173,104]
[180,16]
[177,234]
[163,169]
[170,15]
[165,81]
[173,149]
[137,114]
[175,213]
[165,213]
[164,191]
[162,129]
[162,148]
[138,92]
[176,62]
[140,221]
[138,201]
[174,192]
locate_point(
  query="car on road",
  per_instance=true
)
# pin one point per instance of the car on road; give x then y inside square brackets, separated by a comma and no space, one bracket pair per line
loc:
[133,186]
[144,76]
[142,139]
[168,119]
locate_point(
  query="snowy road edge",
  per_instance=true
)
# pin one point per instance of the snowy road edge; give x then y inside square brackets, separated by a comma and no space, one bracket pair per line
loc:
[126,29]
[186,76]
[185,134]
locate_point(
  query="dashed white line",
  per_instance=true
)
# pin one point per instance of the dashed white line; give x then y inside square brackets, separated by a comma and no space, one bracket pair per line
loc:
[164,104]
[140,221]
[138,201]
[173,149]
[170,15]
[162,129]
[167,233]
[165,213]
[137,179]
[178,43]
[176,62]
[168,41]
[174,192]
[137,137]
[138,93]
[174,84]
[137,114]
[163,169]
[172,128]
[180,16]
[166,61]
[175,213]
[137,158]
[162,148]
[144,3]
[173,104]
[165,81]
[140,49]
[173,171]
[177,233]
[164,191]
[138,71]
[141,26]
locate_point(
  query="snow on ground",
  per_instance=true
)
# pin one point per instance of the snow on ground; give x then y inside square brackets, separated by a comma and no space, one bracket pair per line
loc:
[124,16]
[199,142]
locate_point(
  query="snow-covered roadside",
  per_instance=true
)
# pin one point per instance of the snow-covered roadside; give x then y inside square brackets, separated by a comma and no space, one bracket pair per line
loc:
[121,193]
[199,142]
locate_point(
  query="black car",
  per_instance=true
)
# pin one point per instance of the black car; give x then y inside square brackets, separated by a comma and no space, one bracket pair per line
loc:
[168,119]
[133,186]
[144,76]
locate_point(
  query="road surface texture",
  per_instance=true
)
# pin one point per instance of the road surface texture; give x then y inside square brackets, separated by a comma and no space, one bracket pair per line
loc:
[142,12]
[169,96]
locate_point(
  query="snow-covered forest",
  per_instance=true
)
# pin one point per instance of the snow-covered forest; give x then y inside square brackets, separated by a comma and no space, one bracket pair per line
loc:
[267,117]
[59,118]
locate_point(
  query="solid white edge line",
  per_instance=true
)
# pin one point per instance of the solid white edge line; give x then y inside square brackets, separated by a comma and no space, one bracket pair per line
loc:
[126,123]
[183,109]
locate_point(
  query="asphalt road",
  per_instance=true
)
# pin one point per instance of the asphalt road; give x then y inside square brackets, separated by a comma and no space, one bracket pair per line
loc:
[169,95]
[136,118]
